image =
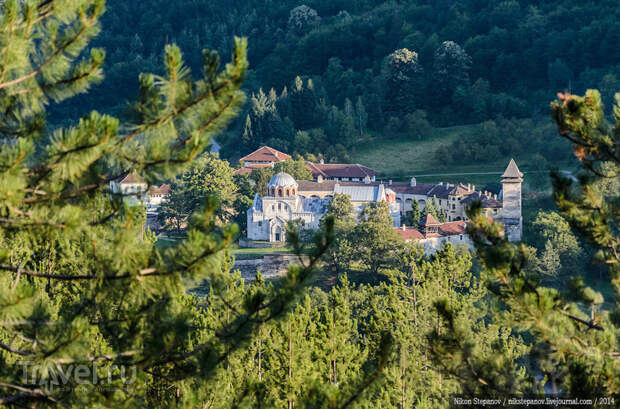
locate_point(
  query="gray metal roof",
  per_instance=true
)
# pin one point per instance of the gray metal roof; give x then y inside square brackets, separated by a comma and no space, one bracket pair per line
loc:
[360,193]
[258,203]
[314,205]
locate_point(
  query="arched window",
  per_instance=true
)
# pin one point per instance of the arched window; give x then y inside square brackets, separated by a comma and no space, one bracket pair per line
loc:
[279,206]
[279,194]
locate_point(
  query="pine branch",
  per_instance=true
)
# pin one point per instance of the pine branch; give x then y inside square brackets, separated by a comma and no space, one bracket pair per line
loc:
[55,55]
[147,272]
[590,324]
[13,350]
[27,393]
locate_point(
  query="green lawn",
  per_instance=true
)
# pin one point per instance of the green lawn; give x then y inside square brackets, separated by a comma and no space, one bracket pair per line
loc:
[393,156]
[164,242]
[400,158]
[268,250]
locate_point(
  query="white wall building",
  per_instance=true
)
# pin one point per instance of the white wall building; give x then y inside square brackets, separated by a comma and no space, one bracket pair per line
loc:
[284,202]
[269,215]
[433,235]
[136,192]
[289,200]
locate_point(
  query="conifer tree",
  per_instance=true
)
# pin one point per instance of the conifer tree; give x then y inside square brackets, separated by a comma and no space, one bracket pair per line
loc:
[338,334]
[291,360]
[83,283]
[361,116]
[575,342]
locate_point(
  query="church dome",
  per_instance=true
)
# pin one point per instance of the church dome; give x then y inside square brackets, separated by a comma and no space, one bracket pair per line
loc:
[282,180]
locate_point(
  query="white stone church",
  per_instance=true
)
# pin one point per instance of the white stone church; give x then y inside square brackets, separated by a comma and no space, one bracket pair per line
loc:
[287,201]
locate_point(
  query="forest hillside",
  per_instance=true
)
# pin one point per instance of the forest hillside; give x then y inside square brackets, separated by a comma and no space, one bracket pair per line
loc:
[325,74]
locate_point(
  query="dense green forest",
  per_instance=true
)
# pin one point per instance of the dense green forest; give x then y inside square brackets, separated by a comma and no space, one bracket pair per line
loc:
[94,314]
[334,72]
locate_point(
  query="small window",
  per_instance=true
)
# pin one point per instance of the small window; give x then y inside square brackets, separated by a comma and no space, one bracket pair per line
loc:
[260,224]
[279,206]
[461,237]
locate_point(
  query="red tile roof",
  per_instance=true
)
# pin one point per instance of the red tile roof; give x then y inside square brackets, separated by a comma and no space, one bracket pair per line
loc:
[248,169]
[409,233]
[131,178]
[327,185]
[161,190]
[445,229]
[266,154]
[339,170]
[452,228]
[406,188]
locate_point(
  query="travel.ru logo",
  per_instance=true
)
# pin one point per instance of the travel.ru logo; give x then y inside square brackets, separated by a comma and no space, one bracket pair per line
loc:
[67,377]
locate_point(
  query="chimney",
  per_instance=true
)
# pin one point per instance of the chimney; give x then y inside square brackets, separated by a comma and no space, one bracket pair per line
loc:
[473,188]
[495,196]
[440,183]
[367,180]
[390,182]
[322,162]
[276,153]
[413,182]
[468,187]
[404,228]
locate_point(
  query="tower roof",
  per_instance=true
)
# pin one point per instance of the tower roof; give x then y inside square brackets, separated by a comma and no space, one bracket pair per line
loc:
[512,171]
[429,220]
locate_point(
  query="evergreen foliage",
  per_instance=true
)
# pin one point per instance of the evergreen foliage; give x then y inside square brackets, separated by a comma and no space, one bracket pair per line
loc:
[83,283]
[574,341]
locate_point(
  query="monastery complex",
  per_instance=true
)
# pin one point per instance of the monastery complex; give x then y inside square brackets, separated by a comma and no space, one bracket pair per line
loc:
[288,199]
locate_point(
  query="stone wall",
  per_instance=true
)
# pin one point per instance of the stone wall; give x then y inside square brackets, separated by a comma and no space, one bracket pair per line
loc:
[270,266]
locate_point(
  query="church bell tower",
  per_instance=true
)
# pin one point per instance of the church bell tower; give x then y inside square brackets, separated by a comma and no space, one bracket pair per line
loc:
[511,201]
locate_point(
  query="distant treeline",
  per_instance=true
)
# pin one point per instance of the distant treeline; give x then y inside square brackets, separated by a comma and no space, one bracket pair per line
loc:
[387,66]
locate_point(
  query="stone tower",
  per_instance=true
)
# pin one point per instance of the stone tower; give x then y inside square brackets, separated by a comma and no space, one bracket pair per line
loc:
[511,200]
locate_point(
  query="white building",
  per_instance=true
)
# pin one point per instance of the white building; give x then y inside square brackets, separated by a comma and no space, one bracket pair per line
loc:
[136,192]
[269,215]
[287,201]
[305,200]
[432,234]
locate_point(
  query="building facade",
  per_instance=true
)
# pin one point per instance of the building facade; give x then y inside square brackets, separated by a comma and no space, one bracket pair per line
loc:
[269,215]
[135,192]
[512,179]
[433,235]
[290,200]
